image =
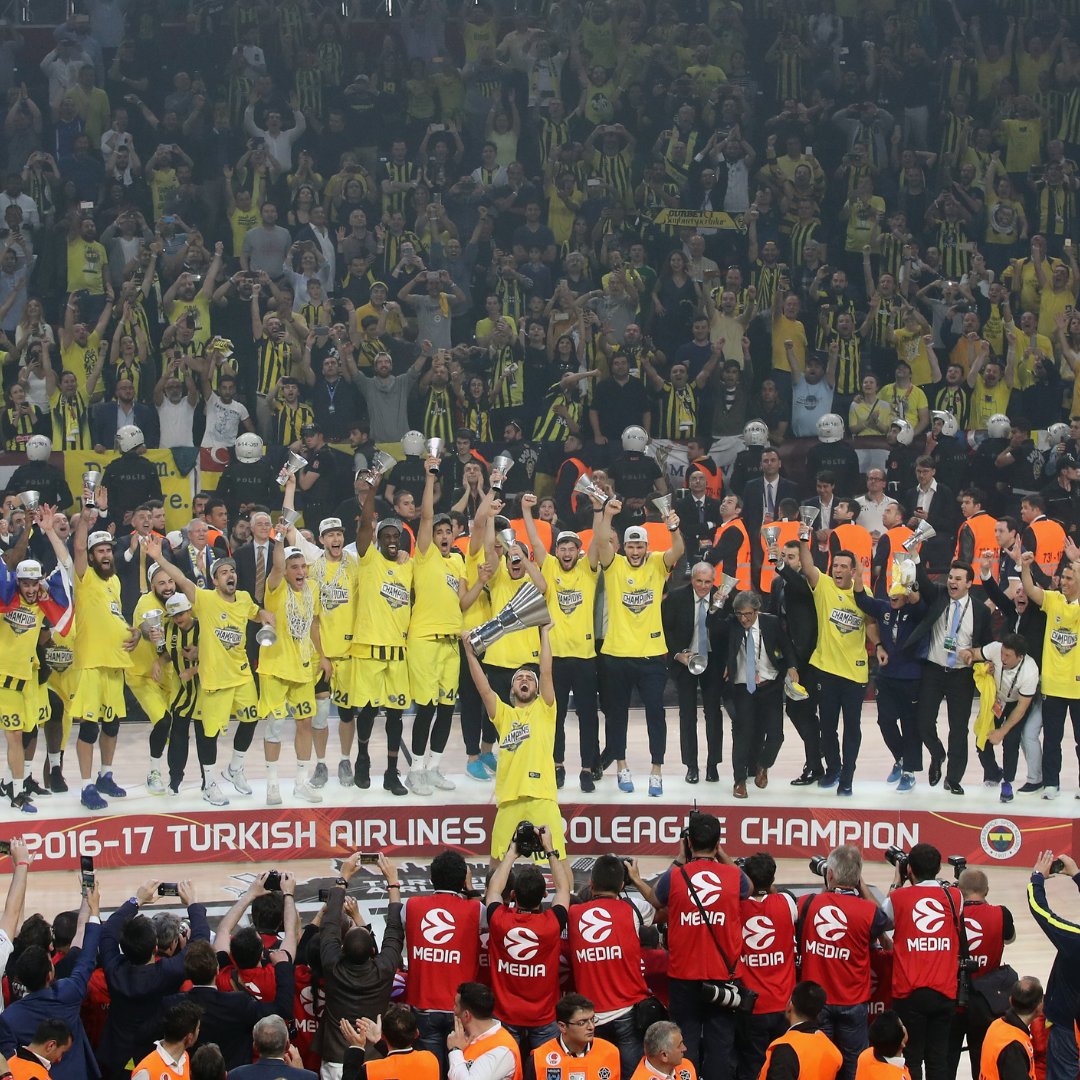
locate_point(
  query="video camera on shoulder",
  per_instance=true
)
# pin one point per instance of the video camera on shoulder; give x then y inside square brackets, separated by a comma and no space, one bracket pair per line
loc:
[527,839]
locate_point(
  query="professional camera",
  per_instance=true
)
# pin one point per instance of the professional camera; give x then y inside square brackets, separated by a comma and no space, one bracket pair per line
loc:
[729,995]
[740,861]
[527,839]
[898,857]
[958,864]
[817,865]
[684,832]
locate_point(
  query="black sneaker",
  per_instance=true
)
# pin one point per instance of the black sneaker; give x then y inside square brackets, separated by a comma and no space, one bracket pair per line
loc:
[362,772]
[32,787]
[586,781]
[57,783]
[392,783]
[560,775]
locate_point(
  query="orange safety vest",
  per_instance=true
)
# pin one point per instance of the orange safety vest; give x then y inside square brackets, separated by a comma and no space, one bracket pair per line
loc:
[897,535]
[982,527]
[999,1035]
[601,1060]
[586,539]
[659,536]
[683,1071]
[155,1067]
[25,1069]
[581,469]
[860,543]
[818,1057]
[543,530]
[499,1037]
[714,478]
[406,1065]
[871,1068]
[742,565]
[789,530]
[1049,544]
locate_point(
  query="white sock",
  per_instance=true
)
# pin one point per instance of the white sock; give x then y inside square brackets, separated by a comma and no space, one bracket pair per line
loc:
[271,772]
[8,777]
[18,777]
[237,762]
[156,757]
[301,773]
[432,759]
[54,759]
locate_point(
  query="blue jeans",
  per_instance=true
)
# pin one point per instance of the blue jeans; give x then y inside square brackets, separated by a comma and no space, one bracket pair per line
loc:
[836,695]
[1061,1053]
[621,1032]
[528,1039]
[709,1032]
[621,675]
[434,1027]
[846,1025]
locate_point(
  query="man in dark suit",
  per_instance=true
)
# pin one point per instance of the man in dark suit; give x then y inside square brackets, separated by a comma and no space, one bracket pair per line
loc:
[762,495]
[759,655]
[131,561]
[107,417]
[935,503]
[270,1038]
[793,603]
[699,514]
[253,565]
[690,630]
[953,621]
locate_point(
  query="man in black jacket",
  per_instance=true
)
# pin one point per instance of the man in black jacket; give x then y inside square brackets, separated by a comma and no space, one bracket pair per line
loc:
[953,621]
[699,514]
[935,503]
[690,629]
[762,496]
[793,603]
[759,655]
[137,982]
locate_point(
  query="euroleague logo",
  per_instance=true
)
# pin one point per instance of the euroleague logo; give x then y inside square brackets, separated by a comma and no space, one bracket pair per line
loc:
[758,932]
[595,926]
[521,944]
[438,926]
[708,887]
[1000,838]
[929,915]
[974,934]
[830,923]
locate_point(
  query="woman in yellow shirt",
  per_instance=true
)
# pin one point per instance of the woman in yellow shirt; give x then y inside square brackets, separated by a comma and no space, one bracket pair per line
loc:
[869,416]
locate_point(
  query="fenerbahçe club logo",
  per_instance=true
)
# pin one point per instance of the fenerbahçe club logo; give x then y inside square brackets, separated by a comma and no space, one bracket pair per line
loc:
[1000,838]
[847,622]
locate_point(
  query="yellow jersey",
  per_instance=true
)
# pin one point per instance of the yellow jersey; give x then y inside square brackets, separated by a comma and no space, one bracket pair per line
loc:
[81,360]
[337,583]
[633,606]
[522,646]
[911,348]
[1061,660]
[904,404]
[382,601]
[841,644]
[145,653]
[223,623]
[85,261]
[436,579]
[201,307]
[526,761]
[20,628]
[571,597]
[97,604]
[986,401]
[785,329]
[480,611]
[241,222]
[289,658]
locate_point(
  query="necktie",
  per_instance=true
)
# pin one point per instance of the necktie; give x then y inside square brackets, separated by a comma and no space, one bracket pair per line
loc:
[952,658]
[751,663]
[770,498]
[701,512]
[260,573]
[703,630]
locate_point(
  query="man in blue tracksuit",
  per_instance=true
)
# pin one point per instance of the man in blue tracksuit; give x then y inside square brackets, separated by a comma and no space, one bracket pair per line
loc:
[1062,1002]
[897,678]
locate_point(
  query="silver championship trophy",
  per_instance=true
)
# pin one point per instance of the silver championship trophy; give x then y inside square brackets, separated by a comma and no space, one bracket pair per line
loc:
[772,536]
[727,585]
[290,468]
[90,481]
[267,635]
[696,663]
[501,465]
[30,500]
[923,531]
[284,523]
[527,609]
[590,489]
[903,568]
[663,505]
[381,463]
[152,629]
[807,515]
[434,449]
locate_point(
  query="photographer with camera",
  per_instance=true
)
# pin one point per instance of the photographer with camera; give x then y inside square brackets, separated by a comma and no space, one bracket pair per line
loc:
[803,1050]
[836,928]
[525,941]
[703,889]
[605,957]
[769,960]
[926,913]
[1062,1004]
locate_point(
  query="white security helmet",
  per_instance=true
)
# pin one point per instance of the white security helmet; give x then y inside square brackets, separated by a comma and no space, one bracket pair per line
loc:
[1057,433]
[905,433]
[634,440]
[412,443]
[128,437]
[949,424]
[998,426]
[249,447]
[830,428]
[755,433]
[38,448]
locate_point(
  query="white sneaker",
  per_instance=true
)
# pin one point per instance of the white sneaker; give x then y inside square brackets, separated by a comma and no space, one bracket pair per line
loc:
[238,780]
[273,795]
[436,779]
[154,784]
[214,795]
[417,782]
[1049,793]
[305,792]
